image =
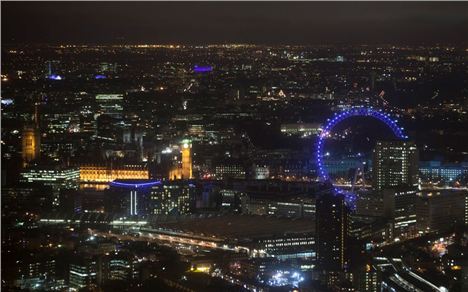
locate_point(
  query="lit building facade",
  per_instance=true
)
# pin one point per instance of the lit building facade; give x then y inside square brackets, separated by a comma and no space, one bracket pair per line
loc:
[83,274]
[435,170]
[54,176]
[106,174]
[294,207]
[400,207]
[31,144]
[395,164]
[122,266]
[301,129]
[439,211]
[226,171]
[110,104]
[172,198]
[183,169]
[230,199]
[130,197]
[289,246]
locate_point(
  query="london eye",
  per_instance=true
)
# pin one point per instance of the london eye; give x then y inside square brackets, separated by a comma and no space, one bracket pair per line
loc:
[377,114]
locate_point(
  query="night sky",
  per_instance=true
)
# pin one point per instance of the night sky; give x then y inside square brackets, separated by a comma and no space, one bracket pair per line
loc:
[228,22]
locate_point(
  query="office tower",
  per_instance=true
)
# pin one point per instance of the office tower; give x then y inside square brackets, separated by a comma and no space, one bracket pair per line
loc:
[440,211]
[52,180]
[110,104]
[399,206]
[172,198]
[56,176]
[395,164]
[230,170]
[122,266]
[83,273]
[331,228]
[230,199]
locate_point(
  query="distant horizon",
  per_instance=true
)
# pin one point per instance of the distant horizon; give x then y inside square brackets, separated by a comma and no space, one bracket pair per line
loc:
[233,44]
[268,23]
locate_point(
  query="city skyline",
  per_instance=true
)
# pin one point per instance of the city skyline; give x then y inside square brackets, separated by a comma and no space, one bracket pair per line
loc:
[227,146]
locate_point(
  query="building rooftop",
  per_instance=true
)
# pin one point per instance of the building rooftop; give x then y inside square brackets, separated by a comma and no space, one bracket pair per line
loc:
[236,226]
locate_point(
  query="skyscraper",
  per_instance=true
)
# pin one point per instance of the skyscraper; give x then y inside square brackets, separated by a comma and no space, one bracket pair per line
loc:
[172,198]
[83,273]
[331,227]
[395,164]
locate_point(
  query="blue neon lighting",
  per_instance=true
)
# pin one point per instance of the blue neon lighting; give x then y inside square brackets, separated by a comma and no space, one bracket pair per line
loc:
[339,117]
[55,77]
[99,76]
[202,69]
[135,185]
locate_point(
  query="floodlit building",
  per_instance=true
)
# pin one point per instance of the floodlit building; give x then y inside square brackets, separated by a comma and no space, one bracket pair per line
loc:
[30,142]
[183,167]
[108,173]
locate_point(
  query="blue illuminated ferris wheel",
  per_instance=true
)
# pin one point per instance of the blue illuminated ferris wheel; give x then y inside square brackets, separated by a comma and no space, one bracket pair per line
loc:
[336,119]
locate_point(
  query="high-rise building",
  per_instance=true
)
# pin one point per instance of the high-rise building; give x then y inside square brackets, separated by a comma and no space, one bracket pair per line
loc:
[331,228]
[83,273]
[172,198]
[290,207]
[230,171]
[440,210]
[52,180]
[110,104]
[122,266]
[230,199]
[395,164]
[56,176]
[399,206]
[130,197]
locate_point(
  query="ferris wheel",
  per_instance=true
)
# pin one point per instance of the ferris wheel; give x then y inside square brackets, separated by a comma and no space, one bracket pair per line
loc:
[361,111]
